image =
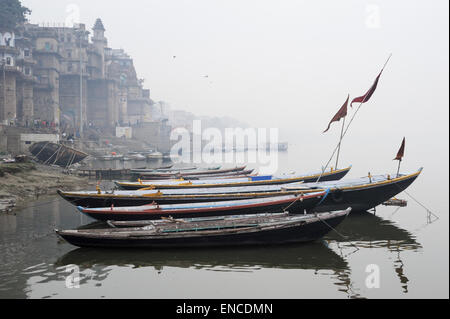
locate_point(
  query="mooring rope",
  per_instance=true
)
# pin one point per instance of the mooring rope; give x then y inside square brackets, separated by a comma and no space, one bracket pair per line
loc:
[40,204]
[335,230]
[429,212]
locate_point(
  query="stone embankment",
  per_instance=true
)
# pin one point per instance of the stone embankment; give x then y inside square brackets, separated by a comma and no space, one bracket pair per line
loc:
[21,183]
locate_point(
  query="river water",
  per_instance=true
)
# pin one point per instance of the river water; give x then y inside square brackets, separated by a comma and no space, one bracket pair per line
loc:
[391,253]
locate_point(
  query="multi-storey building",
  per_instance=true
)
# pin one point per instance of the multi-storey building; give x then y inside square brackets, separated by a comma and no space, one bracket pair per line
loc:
[58,76]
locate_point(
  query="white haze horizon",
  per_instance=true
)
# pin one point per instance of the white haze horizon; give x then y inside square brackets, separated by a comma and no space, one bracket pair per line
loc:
[290,65]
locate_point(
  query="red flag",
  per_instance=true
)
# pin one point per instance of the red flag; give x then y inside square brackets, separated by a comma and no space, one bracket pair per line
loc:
[340,114]
[400,152]
[366,97]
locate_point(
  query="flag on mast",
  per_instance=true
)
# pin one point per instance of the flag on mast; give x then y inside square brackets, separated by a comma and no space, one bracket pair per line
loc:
[367,96]
[340,114]
[401,152]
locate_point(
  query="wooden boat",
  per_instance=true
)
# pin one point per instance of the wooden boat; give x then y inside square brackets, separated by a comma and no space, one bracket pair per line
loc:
[138,157]
[294,204]
[111,157]
[360,194]
[58,154]
[167,169]
[266,229]
[187,176]
[177,174]
[242,181]
[154,156]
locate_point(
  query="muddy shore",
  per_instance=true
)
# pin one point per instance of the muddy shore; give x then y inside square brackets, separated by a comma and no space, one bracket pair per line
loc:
[21,183]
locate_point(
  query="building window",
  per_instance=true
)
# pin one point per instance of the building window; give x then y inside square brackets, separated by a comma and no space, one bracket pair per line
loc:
[69,67]
[8,61]
[69,54]
[47,46]
[26,52]
[27,71]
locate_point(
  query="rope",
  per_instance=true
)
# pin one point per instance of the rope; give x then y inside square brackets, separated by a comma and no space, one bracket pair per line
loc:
[298,197]
[71,160]
[56,157]
[301,198]
[429,212]
[52,155]
[334,229]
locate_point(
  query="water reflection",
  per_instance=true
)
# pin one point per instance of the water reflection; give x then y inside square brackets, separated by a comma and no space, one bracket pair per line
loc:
[363,230]
[315,256]
[366,230]
[32,255]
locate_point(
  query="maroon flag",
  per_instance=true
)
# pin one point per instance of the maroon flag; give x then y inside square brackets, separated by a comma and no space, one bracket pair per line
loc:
[366,97]
[340,114]
[400,152]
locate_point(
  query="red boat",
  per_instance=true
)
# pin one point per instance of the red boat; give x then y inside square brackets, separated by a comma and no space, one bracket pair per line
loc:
[291,203]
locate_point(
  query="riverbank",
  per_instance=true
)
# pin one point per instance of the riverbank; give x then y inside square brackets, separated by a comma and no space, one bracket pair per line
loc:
[21,183]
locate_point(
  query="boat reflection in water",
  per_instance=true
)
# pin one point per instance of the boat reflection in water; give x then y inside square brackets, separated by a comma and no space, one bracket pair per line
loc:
[313,256]
[364,230]
[367,231]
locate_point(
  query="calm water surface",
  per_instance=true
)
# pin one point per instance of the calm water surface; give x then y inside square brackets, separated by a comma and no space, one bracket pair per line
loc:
[411,255]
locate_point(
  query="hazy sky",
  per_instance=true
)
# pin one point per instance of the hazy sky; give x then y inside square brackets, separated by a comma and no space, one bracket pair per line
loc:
[287,64]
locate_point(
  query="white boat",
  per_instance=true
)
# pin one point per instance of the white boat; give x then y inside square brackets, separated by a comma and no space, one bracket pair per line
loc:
[155,155]
[137,157]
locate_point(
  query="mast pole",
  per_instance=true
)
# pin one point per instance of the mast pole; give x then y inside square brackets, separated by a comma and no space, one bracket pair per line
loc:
[346,129]
[339,145]
[398,168]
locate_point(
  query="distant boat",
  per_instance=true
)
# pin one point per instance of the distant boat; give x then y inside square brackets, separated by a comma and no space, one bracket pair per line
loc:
[177,174]
[239,181]
[137,157]
[106,158]
[56,154]
[238,230]
[111,157]
[155,155]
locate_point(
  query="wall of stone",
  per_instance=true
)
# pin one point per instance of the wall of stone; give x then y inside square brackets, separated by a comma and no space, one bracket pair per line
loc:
[7,96]
[103,103]
[3,138]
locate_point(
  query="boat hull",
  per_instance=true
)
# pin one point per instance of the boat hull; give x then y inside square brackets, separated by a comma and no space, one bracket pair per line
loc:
[293,205]
[364,198]
[122,201]
[293,233]
[57,154]
[329,176]
[175,174]
[360,197]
